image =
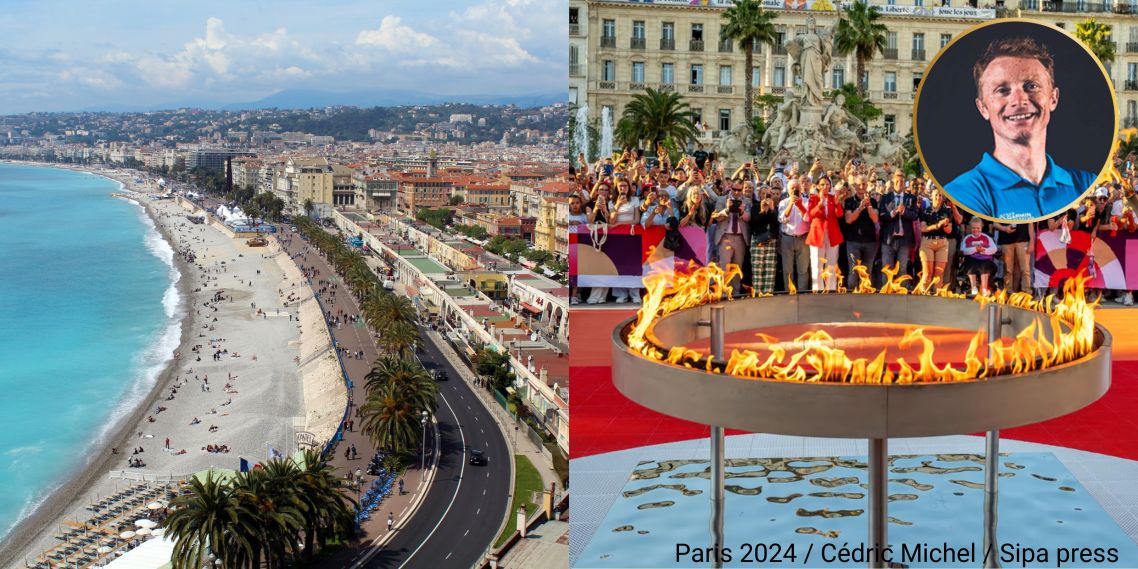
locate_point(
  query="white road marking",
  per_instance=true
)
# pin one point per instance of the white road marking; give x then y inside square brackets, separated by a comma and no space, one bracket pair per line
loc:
[461,470]
[466,534]
[478,511]
[448,555]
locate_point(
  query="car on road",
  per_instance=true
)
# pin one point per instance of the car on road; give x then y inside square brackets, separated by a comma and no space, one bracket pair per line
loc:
[439,375]
[477,457]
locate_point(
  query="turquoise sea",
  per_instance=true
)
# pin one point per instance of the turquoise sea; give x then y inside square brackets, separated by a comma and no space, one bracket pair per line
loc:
[89,315]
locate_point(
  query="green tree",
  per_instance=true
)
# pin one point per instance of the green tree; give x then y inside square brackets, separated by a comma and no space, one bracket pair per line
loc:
[859,31]
[1097,38]
[455,200]
[399,338]
[204,521]
[389,421]
[748,24]
[309,207]
[327,512]
[496,366]
[654,115]
[855,104]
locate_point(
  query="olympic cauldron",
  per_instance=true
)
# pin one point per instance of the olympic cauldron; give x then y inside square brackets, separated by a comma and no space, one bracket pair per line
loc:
[1054,360]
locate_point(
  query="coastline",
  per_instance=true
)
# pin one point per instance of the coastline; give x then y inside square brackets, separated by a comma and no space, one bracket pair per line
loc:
[61,498]
[272,391]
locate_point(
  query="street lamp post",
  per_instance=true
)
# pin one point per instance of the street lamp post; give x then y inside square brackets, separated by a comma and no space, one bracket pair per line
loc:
[423,450]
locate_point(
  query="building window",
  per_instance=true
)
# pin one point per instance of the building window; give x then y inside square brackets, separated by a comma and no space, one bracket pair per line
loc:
[573,16]
[697,32]
[667,73]
[724,74]
[1131,109]
[573,96]
[638,29]
[574,56]
[608,29]
[837,77]
[608,70]
[890,40]
[696,116]
[944,39]
[890,124]
[724,119]
[890,81]
[916,81]
[779,75]
[696,74]
[1132,71]
[918,42]
[668,31]
[756,77]
[637,71]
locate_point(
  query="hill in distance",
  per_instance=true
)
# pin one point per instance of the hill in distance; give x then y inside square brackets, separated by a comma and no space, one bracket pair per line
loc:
[306,99]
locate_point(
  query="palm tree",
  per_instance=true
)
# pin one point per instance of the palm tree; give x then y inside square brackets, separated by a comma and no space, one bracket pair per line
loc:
[202,522]
[1097,38]
[383,308]
[328,511]
[653,116]
[399,338]
[389,421]
[309,207]
[408,378]
[266,500]
[858,31]
[748,23]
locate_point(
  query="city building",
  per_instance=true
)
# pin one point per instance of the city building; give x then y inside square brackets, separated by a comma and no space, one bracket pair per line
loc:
[343,185]
[305,179]
[430,192]
[578,50]
[678,46]
[212,158]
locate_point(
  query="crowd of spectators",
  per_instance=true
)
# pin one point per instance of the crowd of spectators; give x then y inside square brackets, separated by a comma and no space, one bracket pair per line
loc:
[796,225]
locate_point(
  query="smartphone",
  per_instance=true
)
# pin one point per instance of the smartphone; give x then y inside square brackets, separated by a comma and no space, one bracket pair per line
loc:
[608,169]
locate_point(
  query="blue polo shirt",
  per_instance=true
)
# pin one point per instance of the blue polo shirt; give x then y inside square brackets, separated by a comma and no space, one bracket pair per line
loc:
[994,190]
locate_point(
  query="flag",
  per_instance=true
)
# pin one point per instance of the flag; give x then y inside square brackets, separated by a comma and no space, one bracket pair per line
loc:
[274,453]
[244,465]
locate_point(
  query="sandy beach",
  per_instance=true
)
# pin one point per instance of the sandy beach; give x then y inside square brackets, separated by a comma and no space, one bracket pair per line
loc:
[235,382]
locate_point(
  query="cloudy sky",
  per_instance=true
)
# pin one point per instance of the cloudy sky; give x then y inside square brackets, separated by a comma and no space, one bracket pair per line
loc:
[60,55]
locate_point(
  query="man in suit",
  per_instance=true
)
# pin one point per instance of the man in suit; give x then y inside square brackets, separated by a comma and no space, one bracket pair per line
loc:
[732,236]
[897,212]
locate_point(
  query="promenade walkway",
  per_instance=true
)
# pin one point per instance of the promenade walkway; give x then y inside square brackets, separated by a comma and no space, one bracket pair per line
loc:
[355,338]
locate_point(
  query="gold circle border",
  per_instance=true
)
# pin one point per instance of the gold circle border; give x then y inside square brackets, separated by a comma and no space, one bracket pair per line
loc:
[1113,96]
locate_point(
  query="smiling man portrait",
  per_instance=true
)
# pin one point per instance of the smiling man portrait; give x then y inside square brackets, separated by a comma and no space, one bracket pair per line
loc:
[1016,94]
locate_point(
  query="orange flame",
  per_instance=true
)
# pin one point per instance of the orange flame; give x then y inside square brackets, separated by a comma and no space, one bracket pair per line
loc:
[813,357]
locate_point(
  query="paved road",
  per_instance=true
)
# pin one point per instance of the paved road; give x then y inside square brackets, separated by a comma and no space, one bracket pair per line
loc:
[462,513]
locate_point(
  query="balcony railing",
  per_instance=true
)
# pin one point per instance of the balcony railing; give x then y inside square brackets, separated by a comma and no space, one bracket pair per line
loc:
[608,41]
[779,50]
[1132,84]
[889,95]
[636,43]
[695,45]
[1132,47]
[667,87]
[574,29]
[636,86]
[1077,7]
[606,85]
[668,44]
[695,88]
[576,70]
[725,89]
[778,90]
[1130,122]
[889,53]
[918,55]
[726,46]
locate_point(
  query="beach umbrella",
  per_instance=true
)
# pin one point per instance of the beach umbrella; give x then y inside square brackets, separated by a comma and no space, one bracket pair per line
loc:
[156,505]
[127,534]
[145,523]
[103,550]
[142,532]
[159,532]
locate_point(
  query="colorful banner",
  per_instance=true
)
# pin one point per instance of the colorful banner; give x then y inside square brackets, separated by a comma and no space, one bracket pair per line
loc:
[629,252]
[1112,260]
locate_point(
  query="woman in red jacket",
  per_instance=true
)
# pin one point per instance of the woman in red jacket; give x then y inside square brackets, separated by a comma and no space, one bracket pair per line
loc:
[825,235]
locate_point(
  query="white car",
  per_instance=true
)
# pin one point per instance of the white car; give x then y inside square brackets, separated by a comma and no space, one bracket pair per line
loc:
[389,284]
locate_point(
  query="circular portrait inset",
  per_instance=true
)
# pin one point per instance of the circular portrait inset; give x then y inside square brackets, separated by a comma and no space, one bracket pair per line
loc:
[1015,119]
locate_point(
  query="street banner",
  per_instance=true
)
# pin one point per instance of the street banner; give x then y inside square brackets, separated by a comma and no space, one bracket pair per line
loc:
[627,253]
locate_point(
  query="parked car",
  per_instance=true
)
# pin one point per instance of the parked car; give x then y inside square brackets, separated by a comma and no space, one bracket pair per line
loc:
[477,457]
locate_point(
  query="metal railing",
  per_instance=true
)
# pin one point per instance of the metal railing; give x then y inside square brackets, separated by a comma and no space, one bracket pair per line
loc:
[576,70]
[695,45]
[1132,47]
[778,90]
[889,53]
[725,89]
[918,55]
[608,41]
[1130,122]
[889,95]
[610,85]
[726,46]
[779,49]
[636,86]
[666,87]
[695,88]
[574,29]
[1132,84]
[636,43]
[668,44]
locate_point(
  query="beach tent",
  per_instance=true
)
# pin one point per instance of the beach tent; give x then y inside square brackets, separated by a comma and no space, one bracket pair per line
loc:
[152,554]
[219,474]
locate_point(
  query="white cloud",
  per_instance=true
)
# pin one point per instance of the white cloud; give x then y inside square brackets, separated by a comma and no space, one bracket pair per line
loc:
[393,36]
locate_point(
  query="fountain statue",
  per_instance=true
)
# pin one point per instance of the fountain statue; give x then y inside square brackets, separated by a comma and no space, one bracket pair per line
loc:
[808,126]
[581,132]
[606,133]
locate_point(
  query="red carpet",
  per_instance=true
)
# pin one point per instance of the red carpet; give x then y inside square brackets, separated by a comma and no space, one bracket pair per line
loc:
[605,421]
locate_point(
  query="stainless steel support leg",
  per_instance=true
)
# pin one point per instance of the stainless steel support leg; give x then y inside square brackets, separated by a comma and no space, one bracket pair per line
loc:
[878,499]
[717,443]
[992,463]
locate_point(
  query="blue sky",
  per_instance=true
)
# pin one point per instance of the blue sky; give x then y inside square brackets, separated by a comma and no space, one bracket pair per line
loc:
[69,55]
